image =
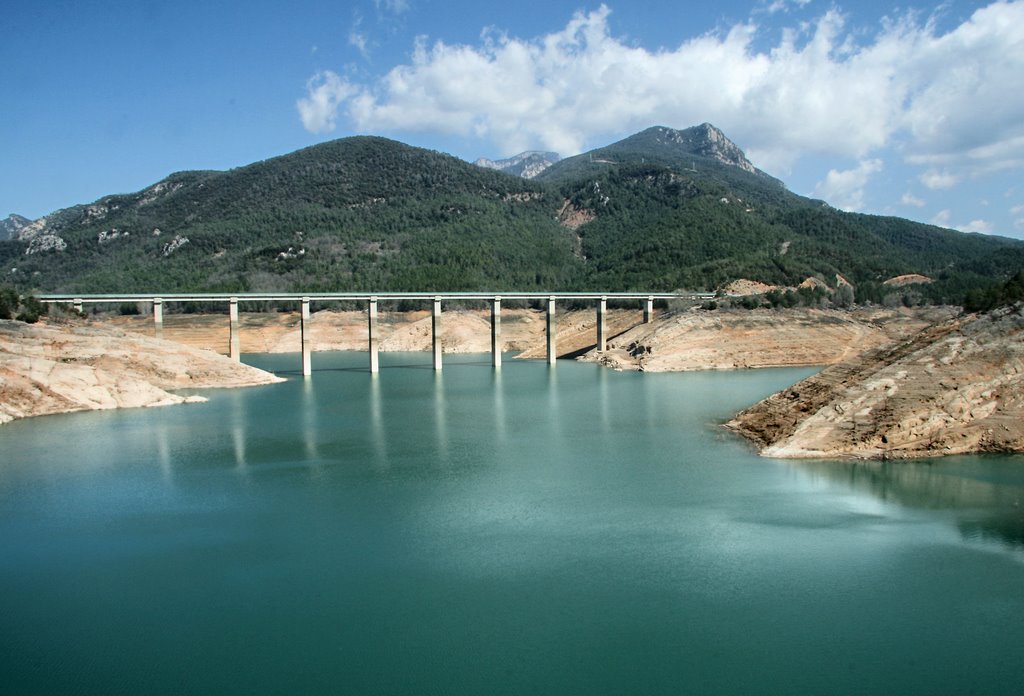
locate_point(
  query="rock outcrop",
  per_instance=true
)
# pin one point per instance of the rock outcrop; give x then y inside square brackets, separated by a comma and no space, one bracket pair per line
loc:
[56,369]
[955,388]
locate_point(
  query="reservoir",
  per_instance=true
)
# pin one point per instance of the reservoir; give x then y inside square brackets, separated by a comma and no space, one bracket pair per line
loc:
[565,530]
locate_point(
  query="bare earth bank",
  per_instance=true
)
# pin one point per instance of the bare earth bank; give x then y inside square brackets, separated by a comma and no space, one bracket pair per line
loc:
[955,388]
[47,369]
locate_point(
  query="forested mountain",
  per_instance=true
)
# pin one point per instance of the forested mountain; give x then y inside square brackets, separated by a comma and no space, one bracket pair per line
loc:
[661,210]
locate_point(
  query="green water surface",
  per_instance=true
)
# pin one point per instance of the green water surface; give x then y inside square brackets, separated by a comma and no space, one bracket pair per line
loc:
[565,530]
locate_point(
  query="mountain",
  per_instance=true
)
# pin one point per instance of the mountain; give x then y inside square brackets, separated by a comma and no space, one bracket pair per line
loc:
[359,213]
[687,207]
[525,164]
[660,210]
[11,225]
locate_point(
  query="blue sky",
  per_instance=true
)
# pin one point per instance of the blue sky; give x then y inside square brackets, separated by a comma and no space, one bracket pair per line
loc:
[906,109]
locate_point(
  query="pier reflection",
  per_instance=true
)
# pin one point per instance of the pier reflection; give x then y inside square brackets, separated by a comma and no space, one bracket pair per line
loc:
[378,439]
[440,417]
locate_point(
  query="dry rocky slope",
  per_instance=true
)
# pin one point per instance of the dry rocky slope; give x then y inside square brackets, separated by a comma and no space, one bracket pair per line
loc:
[47,369]
[740,338]
[957,387]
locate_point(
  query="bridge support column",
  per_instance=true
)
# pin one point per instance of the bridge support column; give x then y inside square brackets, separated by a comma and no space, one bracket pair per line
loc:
[372,332]
[233,337]
[648,310]
[551,331]
[435,325]
[496,332]
[602,329]
[158,317]
[307,364]
[77,304]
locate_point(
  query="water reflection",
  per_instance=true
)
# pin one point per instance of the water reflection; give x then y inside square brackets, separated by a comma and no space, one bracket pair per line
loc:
[440,418]
[500,426]
[377,438]
[554,408]
[603,400]
[163,451]
[985,495]
[238,442]
[238,416]
[310,425]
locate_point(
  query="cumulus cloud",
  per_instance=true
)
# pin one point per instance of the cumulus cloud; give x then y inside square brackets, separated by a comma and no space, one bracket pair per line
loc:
[939,180]
[976,226]
[845,189]
[942,218]
[942,98]
[319,109]
[910,199]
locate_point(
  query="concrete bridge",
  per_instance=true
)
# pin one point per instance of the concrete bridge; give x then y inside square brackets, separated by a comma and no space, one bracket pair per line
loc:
[371,300]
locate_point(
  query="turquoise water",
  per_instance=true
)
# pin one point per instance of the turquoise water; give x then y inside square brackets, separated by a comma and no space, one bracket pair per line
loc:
[566,531]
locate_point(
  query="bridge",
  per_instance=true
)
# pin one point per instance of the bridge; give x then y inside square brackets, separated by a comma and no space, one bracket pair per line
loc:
[371,300]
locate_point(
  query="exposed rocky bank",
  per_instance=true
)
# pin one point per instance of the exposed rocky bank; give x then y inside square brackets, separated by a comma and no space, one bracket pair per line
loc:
[740,338]
[46,369]
[955,388]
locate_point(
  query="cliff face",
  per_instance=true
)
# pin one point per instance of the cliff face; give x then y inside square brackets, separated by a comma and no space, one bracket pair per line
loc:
[57,369]
[955,388]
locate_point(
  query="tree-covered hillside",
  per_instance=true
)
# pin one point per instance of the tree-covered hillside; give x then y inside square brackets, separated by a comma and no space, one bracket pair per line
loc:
[661,210]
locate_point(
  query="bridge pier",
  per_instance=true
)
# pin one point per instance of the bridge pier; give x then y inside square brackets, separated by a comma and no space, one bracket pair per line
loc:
[648,310]
[77,304]
[435,325]
[233,338]
[551,331]
[602,329]
[307,364]
[371,318]
[496,332]
[158,317]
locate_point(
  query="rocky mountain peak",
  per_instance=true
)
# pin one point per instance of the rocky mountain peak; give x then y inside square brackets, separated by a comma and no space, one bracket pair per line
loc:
[526,164]
[704,140]
[11,225]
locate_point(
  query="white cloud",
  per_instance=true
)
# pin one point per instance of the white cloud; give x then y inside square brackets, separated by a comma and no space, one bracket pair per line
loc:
[781,6]
[942,218]
[356,37]
[392,6]
[319,109]
[944,99]
[976,226]
[1017,210]
[910,199]
[845,189]
[358,41]
[939,180]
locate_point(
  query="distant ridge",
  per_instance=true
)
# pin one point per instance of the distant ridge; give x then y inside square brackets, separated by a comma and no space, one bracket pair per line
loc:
[526,164]
[12,225]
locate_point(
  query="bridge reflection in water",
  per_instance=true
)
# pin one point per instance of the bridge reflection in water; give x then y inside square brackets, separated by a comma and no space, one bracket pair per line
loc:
[372,299]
